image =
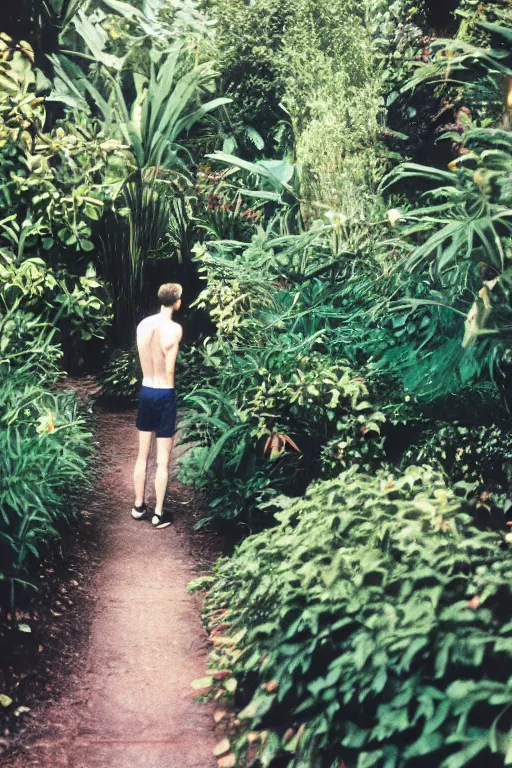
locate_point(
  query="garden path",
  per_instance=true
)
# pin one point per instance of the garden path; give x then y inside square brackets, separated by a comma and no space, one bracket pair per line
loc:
[132,705]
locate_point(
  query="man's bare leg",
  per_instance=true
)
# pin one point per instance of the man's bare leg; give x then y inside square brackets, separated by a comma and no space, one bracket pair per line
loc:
[163,455]
[141,465]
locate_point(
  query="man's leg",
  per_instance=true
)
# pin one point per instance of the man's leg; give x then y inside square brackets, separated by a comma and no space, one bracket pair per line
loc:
[139,474]
[163,455]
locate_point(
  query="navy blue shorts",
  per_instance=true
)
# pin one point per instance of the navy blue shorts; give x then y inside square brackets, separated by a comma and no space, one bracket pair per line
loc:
[157,411]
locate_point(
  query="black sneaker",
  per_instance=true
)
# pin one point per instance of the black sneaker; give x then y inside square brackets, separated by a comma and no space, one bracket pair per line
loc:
[140,513]
[162,521]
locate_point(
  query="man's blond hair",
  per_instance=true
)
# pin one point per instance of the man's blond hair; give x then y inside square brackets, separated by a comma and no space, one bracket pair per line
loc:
[169,294]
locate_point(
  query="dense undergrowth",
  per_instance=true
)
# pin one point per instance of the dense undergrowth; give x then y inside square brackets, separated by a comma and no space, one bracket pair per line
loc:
[369,625]
[331,182]
[45,449]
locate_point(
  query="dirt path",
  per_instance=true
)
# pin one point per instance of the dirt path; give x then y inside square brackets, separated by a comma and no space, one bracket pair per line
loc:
[131,706]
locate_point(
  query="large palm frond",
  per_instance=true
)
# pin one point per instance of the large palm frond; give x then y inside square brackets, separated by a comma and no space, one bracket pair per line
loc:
[168,105]
[459,60]
[165,105]
[470,212]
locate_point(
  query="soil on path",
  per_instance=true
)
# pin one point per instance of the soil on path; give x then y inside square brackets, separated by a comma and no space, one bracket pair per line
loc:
[131,705]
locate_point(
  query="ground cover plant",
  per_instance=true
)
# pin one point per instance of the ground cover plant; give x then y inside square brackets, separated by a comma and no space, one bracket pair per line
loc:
[268,421]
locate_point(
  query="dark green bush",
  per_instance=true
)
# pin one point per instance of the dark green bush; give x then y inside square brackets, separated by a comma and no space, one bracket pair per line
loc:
[122,376]
[249,35]
[481,454]
[370,626]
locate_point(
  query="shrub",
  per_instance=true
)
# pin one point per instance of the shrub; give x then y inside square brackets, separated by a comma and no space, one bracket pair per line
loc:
[122,375]
[28,343]
[328,64]
[274,414]
[369,626]
[332,91]
[477,453]
[53,189]
[45,450]
[248,36]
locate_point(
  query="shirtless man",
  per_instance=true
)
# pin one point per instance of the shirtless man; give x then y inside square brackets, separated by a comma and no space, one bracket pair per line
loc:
[158,340]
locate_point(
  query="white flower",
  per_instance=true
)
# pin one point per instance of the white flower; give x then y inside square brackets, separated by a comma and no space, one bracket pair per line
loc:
[336,219]
[394,216]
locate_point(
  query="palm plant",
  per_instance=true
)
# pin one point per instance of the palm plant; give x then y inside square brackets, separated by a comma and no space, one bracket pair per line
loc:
[459,62]
[165,104]
[166,107]
[152,120]
[470,213]
[135,231]
[464,238]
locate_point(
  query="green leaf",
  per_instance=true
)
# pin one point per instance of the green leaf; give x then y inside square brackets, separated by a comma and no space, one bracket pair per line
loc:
[369,759]
[199,584]
[271,749]
[470,751]
[258,706]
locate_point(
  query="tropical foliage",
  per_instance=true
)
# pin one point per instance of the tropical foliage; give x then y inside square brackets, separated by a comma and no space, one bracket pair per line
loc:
[331,182]
[53,190]
[367,626]
[46,450]
[81,152]
[371,331]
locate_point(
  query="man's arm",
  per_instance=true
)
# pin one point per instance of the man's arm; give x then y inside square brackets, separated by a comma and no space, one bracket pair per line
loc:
[170,346]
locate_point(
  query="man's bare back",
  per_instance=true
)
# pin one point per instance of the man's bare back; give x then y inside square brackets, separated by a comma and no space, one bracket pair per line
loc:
[158,340]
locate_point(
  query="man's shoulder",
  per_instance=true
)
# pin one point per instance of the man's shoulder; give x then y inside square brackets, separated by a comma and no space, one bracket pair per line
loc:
[172,331]
[147,322]
[175,329]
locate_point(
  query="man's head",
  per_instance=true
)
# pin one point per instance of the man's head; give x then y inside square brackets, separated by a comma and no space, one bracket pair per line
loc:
[169,295]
